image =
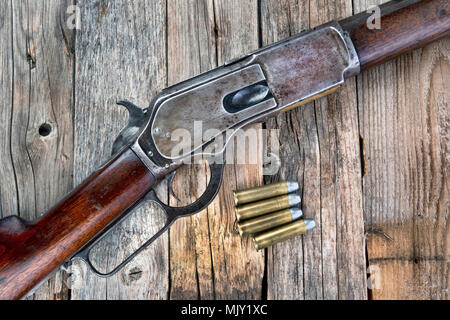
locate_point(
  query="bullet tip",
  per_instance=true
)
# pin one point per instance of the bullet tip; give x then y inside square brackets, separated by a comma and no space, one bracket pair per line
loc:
[310,224]
[296,213]
[292,186]
[294,199]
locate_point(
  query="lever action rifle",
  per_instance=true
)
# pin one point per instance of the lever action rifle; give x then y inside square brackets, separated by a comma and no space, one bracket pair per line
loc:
[243,91]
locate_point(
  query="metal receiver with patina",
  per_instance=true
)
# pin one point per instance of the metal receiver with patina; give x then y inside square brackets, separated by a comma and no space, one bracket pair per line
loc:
[246,90]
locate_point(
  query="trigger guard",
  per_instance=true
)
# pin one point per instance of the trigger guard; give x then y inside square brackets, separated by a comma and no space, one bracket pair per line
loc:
[173,213]
[201,203]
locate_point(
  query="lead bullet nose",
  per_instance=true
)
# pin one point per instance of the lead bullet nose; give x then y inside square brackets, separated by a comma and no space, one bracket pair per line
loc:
[310,224]
[292,186]
[296,214]
[294,199]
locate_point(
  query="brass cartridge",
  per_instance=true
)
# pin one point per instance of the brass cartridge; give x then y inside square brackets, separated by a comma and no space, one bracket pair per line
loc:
[269,221]
[259,208]
[285,232]
[264,192]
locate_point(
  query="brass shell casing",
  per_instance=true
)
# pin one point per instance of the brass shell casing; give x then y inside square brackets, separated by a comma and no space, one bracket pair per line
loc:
[285,232]
[265,222]
[259,193]
[259,208]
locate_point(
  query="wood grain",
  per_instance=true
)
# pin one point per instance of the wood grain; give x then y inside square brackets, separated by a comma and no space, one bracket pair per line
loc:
[202,35]
[191,50]
[238,267]
[120,54]
[404,123]
[8,189]
[36,169]
[320,149]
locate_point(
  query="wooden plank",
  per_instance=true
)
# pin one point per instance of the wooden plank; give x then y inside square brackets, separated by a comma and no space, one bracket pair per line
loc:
[320,149]
[208,259]
[37,142]
[191,51]
[404,123]
[238,267]
[120,54]
[50,126]
[285,265]
[8,188]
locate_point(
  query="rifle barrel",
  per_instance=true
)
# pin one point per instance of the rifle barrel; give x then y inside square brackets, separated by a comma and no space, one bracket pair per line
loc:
[404,26]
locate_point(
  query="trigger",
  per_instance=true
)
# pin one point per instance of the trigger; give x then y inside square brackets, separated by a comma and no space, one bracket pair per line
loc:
[170,183]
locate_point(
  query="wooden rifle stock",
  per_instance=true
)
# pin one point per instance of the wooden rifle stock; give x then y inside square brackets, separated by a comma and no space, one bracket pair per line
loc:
[29,252]
[403,28]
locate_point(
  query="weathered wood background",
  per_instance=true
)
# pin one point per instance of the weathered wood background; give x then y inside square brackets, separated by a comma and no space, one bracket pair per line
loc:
[372,160]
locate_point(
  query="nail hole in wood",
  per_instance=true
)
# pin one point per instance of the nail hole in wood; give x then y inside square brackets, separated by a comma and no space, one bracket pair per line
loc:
[45,129]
